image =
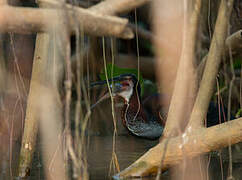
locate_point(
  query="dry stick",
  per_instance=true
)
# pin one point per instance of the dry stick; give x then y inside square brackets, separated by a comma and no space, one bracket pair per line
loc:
[212,65]
[197,142]
[31,20]
[31,118]
[185,85]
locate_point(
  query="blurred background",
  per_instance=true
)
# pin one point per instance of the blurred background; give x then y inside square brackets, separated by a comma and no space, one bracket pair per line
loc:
[100,152]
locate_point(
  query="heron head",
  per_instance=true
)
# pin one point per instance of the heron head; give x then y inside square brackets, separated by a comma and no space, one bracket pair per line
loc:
[122,86]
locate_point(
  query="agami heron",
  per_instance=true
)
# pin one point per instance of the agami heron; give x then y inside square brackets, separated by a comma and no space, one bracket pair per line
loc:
[136,118]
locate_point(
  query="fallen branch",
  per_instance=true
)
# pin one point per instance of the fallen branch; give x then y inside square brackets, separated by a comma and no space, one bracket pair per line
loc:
[191,143]
[32,20]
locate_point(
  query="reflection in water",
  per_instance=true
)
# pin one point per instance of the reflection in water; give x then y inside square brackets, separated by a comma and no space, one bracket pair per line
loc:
[128,149]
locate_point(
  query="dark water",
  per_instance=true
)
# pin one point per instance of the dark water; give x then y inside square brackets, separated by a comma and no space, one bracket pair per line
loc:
[128,149]
[99,150]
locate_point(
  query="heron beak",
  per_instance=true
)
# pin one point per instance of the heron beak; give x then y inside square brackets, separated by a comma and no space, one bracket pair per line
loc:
[104,82]
[105,96]
[115,88]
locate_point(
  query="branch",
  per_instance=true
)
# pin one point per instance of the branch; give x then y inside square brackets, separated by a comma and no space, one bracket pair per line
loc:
[143,33]
[31,119]
[212,65]
[31,20]
[191,144]
[233,42]
[113,7]
[185,84]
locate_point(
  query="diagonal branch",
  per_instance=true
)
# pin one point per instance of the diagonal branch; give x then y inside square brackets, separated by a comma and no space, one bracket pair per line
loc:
[31,119]
[233,43]
[212,65]
[192,144]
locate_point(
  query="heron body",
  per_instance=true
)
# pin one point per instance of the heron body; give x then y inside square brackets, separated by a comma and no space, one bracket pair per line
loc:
[137,118]
[138,121]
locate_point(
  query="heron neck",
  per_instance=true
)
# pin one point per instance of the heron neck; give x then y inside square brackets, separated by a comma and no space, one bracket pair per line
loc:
[133,110]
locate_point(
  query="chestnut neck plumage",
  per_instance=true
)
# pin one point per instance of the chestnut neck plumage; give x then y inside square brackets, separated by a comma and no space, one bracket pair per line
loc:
[137,121]
[133,110]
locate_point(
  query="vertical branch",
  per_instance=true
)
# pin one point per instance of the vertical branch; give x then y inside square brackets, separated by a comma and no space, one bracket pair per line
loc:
[168,30]
[42,81]
[213,61]
[185,84]
[31,118]
[51,113]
